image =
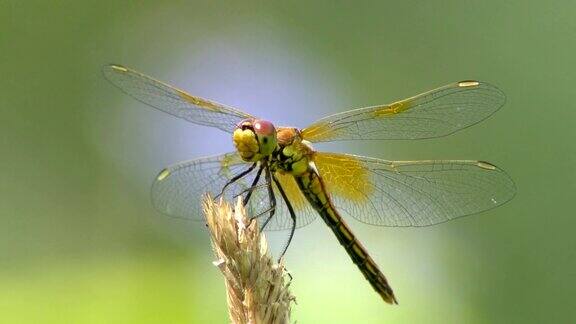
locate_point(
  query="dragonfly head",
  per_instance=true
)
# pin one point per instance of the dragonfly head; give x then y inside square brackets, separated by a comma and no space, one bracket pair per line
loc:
[255,139]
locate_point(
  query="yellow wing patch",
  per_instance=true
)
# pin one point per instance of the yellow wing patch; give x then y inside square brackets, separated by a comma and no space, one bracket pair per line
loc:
[344,176]
[325,131]
[393,109]
[200,102]
[292,190]
[319,132]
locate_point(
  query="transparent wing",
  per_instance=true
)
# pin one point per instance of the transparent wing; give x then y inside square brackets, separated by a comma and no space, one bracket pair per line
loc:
[178,190]
[412,193]
[435,113]
[172,100]
[282,219]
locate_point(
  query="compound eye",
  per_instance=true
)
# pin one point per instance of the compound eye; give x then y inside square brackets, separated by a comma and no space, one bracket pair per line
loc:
[264,127]
[246,124]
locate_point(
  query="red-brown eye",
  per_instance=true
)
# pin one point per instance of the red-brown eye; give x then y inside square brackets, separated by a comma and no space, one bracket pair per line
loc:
[245,124]
[264,127]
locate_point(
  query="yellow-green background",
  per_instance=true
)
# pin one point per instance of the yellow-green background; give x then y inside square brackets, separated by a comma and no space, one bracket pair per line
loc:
[80,242]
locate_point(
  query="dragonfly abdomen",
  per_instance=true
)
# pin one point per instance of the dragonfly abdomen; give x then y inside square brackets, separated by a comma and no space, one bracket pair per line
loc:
[313,188]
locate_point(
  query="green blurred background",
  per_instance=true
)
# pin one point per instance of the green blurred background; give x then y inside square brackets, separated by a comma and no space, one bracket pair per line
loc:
[80,242]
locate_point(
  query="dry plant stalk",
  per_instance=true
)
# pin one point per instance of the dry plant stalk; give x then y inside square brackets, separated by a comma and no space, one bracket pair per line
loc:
[256,289]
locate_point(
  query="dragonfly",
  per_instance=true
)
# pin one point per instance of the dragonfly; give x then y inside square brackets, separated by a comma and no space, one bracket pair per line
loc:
[286,184]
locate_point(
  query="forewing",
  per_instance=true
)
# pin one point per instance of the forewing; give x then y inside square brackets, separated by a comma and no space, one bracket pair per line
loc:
[412,193]
[436,113]
[178,190]
[172,100]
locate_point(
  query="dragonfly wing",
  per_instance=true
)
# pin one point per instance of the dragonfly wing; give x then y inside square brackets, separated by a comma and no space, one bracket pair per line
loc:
[178,190]
[172,100]
[412,193]
[436,113]
[281,220]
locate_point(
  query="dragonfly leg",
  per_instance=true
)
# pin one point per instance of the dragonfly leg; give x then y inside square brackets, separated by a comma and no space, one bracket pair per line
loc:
[236,178]
[272,198]
[253,185]
[263,213]
[292,215]
[249,189]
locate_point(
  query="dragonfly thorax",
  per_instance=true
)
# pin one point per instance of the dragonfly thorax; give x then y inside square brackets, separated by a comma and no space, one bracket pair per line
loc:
[255,139]
[293,154]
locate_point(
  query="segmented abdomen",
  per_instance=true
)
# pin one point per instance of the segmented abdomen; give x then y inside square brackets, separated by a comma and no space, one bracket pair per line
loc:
[313,188]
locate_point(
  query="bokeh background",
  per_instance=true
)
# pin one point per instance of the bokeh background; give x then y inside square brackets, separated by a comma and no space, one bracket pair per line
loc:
[81,243]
